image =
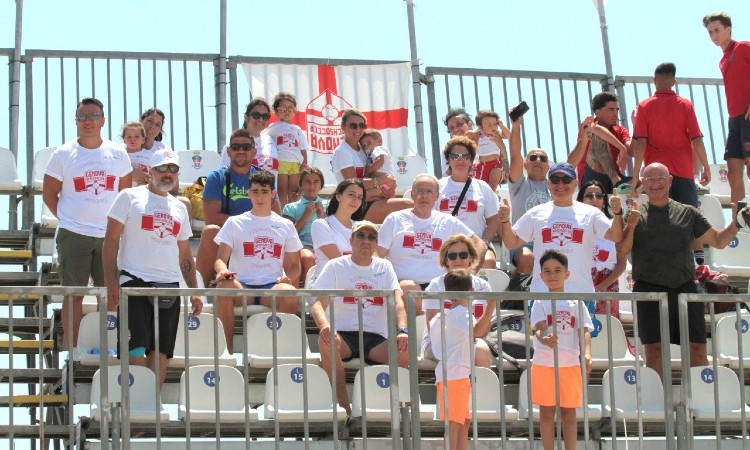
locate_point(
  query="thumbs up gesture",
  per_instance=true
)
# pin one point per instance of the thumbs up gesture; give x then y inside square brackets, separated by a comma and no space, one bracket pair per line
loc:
[503,213]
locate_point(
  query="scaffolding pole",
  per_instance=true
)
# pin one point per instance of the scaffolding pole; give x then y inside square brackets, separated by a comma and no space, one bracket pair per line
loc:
[221,79]
[415,79]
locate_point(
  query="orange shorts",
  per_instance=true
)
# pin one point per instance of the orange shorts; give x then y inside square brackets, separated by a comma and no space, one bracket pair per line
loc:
[543,386]
[482,169]
[459,400]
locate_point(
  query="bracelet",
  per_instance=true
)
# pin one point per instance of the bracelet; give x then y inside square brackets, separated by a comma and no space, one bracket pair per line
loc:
[505,221]
[619,213]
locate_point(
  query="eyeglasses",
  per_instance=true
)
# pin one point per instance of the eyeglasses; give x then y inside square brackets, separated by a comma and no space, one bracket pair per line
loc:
[81,117]
[256,115]
[462,156]
[556,180]
[354,126]
[653,180]
[242,147]
[286,109]
[170,167]
[592,195]
[363,236]
[425,192]
[453,255]
[533,157]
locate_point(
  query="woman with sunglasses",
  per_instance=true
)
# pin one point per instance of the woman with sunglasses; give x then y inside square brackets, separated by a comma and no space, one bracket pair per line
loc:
[459,252]
[257,115]
[607,263]
[479,205]
[349,160]
[332,234]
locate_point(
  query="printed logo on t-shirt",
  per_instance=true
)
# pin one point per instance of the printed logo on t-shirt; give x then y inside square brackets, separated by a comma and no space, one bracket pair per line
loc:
[423,242]
[138,167]
[287,140]
[235,192]
[447,204]
[600,254]
[565,320]
[562,234]
[95,182]
[161,223]
[366,301]
[266,162]
[262,247]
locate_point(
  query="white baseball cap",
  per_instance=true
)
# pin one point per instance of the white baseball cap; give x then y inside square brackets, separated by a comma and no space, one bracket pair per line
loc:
[164,157]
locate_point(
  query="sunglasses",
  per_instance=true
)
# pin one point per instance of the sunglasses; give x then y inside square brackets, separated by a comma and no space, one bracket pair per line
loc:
[242,147]
[592,195]
[534,157]
[170,167]
[256,115]
[363,236]
[457,156]
[354,126]
[453,255]
[81,117]
[557,180]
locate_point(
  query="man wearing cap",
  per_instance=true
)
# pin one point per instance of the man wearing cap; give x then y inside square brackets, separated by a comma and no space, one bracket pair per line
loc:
[80,183]
[563,224]
[147,238]
[360,270]
[264,249]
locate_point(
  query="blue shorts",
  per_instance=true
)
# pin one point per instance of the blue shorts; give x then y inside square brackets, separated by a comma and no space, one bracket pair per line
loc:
[738,139]
[683,190]
[256,300]
[512,253]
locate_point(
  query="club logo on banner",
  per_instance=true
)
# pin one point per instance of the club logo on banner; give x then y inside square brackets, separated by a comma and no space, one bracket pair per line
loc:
[324,92]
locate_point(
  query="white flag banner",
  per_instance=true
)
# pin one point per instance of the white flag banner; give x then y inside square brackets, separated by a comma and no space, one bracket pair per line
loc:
[323,92]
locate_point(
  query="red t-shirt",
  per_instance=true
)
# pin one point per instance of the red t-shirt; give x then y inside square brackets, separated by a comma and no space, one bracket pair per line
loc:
[669,123]
[735,68]
[622,135]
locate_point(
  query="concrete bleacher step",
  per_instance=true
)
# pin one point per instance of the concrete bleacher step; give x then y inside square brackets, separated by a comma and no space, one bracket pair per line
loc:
[31,375]
[25,325]
[50,400]
[19,278]
[30,347]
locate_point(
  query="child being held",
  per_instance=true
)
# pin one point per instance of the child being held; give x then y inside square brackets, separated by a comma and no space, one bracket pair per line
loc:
[379,162]
[133,138]
[491,164]
[563,334]
[457,329]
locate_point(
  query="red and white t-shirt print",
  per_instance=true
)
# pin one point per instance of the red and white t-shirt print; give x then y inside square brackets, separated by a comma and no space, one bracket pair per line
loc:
[479,203]
[258,246]
[162,224]
[571,230]
[413,243]
[289,140]
[345,156]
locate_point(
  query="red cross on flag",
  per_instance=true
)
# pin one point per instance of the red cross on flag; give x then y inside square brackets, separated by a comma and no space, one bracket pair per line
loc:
[323,92]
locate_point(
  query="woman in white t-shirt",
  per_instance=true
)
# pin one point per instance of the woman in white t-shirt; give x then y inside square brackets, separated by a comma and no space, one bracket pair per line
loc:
[479,205]
[257,115]
[331,234]
[458,252]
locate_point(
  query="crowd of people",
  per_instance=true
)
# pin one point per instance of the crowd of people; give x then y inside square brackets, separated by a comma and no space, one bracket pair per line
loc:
[122,223]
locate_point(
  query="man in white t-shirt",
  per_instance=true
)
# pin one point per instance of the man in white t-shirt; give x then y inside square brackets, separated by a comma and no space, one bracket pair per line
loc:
[565,225]
[265,254]
[411,238]
[147,238]
[360,270]
[80,183]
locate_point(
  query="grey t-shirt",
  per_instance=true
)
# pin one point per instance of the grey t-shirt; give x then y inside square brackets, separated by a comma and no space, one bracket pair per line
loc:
[663,243]
[526,194]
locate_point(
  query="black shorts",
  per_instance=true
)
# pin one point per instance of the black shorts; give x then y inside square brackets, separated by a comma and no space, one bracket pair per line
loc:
[648,314]
[141,324]
[738,138]
[683,190]
[351,339]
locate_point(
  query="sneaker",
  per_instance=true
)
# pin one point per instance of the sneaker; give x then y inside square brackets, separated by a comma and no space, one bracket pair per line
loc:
[702,190]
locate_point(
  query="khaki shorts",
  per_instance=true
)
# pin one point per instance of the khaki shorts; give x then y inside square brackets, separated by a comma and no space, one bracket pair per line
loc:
[79,257]
[288,168]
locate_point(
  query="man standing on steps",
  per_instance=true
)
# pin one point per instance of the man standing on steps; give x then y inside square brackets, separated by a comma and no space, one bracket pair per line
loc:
[147,237]
[81,181]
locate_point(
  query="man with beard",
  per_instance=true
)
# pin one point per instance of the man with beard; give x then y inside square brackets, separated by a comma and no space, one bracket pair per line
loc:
[147,237]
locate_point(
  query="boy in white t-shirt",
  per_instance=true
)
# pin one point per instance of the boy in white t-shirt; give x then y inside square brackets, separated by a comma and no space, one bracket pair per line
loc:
[379,162]
[264,248]
[559,328]
[452,335]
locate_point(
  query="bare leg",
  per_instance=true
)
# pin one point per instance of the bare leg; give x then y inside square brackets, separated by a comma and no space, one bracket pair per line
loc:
[206,256]
[307,260]
[225,310]
[293,188]
[151,364]
[379,354]
[736,176]
[481,354]
[489,260]
[547,426]
[341,351]
[284,190]
[283,304]
[495,178]
[185,201]
[652,352]
[77,311]
[569,428]
[698,354]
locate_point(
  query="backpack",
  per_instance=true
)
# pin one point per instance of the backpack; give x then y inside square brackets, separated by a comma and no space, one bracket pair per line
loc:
[714,282]
[194,193]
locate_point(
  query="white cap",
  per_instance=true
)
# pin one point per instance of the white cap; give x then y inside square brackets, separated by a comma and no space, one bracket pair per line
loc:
[164,157]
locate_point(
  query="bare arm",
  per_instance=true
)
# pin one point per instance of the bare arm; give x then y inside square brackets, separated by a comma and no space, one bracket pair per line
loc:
[382,252]
[516,159]
[481,249]
[721,238]
[377,163]
[330,250]
[222,259]
[126,181]
[510,239]
[639,149]
[584,132]
[51,193]
[349,172]
[318,313]
[587,349]
[483,324]
[212,212]
[292,267]
[626,244]
[700,151]
[187,267]
[110,246]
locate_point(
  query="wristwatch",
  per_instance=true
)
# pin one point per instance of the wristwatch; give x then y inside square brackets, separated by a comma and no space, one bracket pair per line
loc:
[402,330]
